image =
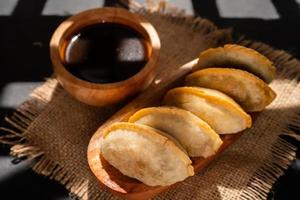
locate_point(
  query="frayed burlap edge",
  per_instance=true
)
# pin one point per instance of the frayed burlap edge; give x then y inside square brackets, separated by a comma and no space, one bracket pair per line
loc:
[283,152]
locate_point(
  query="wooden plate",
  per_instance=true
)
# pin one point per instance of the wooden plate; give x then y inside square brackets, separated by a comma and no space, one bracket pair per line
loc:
[113,179]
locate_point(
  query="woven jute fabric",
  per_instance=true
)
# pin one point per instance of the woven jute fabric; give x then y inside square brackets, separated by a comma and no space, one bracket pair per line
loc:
[54,128]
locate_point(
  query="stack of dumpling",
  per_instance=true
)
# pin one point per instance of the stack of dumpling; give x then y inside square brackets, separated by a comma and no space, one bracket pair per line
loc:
[156,144]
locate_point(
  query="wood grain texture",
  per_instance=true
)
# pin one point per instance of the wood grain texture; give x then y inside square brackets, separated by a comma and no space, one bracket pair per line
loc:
[110,93]
[113,179]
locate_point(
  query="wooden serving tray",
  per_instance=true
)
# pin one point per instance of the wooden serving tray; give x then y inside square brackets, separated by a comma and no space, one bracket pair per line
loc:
[114,180]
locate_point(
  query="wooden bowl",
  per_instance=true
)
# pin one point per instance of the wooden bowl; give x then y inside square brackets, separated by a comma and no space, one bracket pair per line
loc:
[124,186]
[108,93]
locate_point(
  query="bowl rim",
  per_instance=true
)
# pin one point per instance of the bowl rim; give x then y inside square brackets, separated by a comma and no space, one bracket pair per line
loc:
[104,15]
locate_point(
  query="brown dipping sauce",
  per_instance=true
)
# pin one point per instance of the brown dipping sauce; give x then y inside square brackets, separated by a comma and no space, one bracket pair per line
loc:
[106,53]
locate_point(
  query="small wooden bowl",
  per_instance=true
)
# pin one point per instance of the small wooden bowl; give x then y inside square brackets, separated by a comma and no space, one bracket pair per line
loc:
[110,93]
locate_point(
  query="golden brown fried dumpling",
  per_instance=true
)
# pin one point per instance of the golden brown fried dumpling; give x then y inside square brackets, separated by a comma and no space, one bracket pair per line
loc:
[140,152]
[220,111]
[240,57]
[246,89]
[195,135]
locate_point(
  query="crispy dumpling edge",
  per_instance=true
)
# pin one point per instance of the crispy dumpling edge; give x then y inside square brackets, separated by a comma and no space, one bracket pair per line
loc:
[265,62]
[142,112]
[270,94]
[149,132]
[193,90]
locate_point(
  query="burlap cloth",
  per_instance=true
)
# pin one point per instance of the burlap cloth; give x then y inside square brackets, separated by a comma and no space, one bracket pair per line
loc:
[55,129]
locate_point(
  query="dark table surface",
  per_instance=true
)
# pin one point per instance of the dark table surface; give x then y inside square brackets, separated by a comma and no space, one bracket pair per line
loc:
[25,30]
